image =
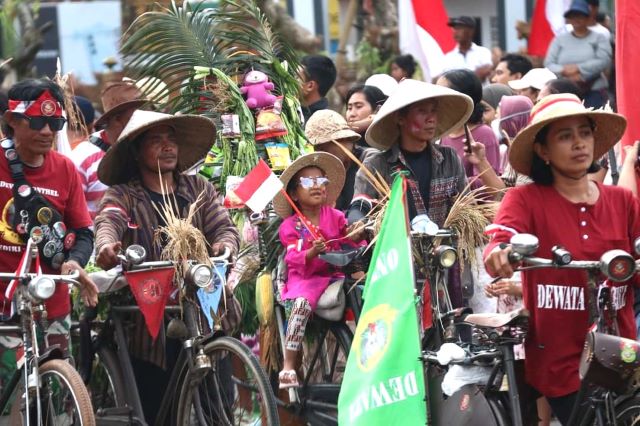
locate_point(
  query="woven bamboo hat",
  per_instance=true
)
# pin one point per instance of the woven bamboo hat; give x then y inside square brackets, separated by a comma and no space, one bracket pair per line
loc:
[328,163]
[326,125]
[609,128]
[118,96]
[195,135]
[454,109]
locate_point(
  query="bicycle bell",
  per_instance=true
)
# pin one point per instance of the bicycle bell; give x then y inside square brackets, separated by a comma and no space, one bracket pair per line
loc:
[524,244]
[636,246]
[135,254]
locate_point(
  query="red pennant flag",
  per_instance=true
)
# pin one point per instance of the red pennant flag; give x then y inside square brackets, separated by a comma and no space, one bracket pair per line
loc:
[151,288]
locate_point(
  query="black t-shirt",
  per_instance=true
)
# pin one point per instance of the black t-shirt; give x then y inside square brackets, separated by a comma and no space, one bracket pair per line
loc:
[420,165]
[159,201]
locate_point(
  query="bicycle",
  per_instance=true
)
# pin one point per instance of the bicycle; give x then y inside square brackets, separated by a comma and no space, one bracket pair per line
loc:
[606,396]
[49,390]
[324,356]
[217,378]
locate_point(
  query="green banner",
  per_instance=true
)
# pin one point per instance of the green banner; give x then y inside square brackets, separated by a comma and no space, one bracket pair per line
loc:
[384,382]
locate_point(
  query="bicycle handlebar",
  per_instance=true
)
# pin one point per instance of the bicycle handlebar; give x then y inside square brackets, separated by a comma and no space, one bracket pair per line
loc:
[71,278]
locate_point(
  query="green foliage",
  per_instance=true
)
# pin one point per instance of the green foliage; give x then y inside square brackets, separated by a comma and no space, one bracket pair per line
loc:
[369,60]
[179,44]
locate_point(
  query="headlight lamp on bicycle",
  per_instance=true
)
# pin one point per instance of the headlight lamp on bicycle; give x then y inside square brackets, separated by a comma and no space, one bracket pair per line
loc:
[446,255]
[617,265]
[200,275]
[41,288]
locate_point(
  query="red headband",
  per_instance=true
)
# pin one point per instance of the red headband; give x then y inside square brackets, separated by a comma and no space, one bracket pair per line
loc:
[45,105]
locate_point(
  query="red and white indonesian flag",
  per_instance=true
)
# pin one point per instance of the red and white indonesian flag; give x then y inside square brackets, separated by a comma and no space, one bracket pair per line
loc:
[259,187]
[548,21]
[424,34]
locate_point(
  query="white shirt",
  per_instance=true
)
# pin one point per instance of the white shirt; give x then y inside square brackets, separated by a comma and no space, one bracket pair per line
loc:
[476,57]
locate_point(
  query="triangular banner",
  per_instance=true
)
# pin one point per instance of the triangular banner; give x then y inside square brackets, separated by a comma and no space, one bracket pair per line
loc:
[151,288]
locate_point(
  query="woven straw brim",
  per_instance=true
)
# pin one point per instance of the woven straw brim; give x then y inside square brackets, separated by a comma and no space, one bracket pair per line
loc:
[454,109]
[609,130]
[345,135]
[328,163]
[117,109]
[195,135]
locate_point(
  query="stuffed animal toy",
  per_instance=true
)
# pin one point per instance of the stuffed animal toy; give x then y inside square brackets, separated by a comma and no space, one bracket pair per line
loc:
[257,86]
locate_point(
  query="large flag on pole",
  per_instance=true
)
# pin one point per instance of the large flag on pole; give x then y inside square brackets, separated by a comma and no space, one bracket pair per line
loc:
[384,381]
[627,65]
[548,21]
[424,33]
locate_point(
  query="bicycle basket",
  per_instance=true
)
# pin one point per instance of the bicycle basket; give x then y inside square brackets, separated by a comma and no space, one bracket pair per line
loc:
[609,361]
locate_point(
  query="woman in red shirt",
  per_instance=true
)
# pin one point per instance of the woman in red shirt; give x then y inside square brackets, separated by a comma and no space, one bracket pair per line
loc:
[563,207]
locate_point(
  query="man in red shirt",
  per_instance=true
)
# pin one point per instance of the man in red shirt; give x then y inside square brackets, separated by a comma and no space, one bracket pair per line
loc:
[30,123]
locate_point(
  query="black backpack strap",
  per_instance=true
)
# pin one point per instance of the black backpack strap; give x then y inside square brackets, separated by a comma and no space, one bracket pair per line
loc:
[15,165]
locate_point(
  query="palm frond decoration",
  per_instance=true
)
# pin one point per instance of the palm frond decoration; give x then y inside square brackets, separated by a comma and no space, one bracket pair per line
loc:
[175,43]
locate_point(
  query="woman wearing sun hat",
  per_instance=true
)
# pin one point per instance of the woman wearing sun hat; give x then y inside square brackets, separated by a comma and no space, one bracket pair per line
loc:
[405,129]
[313,183]
[563,207]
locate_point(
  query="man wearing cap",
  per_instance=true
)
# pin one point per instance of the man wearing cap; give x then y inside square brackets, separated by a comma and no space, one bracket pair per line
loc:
[467,54]
[119,100]
[532,82]
[329,132]
[151,147]
[41,198]
[405,130]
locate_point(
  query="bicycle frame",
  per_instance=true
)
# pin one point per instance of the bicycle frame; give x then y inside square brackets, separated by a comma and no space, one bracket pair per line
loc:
[28,306]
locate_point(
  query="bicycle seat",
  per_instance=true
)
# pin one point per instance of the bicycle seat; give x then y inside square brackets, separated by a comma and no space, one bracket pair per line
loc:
[341,258]
[108,281]
[497,320]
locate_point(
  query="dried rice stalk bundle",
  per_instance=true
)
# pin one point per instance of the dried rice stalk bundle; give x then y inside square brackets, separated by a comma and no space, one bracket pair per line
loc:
[219,99]
[468,218]
[74,118]
[377,181]
[183,240]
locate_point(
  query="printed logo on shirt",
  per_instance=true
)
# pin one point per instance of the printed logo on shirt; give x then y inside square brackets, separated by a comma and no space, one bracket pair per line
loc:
[618,297]
[563,297]
[43,191]
[570,298]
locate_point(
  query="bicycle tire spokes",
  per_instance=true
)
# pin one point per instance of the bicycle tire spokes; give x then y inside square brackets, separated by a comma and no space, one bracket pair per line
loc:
[227,393]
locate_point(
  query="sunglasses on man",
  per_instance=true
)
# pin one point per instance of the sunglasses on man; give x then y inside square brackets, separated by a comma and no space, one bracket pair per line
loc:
[310,182]
[38,122]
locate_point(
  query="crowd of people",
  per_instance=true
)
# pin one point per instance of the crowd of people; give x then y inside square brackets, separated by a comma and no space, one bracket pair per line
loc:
[525,133]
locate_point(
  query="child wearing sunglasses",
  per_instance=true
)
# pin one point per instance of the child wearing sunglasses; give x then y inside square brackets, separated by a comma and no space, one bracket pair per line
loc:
[313,182]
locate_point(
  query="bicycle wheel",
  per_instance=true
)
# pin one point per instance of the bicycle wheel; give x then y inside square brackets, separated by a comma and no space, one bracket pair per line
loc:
[233,390]
[324,359]
[107,384]
[64,399]
[627,412]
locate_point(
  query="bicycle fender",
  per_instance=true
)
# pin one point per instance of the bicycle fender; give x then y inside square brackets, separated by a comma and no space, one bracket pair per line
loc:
[212,336]
[52,352]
